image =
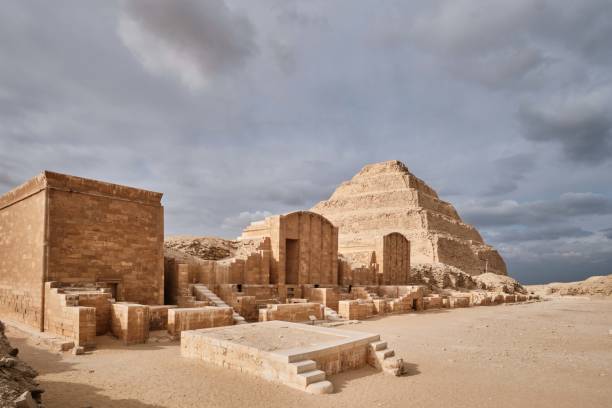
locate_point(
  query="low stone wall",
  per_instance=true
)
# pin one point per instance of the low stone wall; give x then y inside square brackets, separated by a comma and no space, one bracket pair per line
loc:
[328,297]
[459,301]
[181,319]
[497,298]
[355,309]
[158,317]
[381,306]
[292,312]
[102,303]
[245,306]
[401,305]
[130,322]
[432,302]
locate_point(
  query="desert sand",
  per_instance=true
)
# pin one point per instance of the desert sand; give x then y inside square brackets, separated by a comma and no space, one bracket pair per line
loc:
[556,353]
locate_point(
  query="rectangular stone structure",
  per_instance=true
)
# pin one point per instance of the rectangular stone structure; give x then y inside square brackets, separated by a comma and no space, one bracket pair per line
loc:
[73,230]
[304,248]
[181,319]
[293,312]
[130,322]
[293,354]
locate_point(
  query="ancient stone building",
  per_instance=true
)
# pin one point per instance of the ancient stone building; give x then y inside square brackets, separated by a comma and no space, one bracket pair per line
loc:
[75,231]
[384,198]
[304,248]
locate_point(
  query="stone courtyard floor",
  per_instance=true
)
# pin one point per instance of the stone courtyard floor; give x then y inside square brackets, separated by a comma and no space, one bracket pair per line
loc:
[550,354]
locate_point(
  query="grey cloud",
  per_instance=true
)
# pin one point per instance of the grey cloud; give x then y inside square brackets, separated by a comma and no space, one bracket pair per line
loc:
[75,99]
[546,233]
[500,68]
[607,233]
[498,44]
[565,259]
[582,127]
[243,219]
[538,212]
[195,39]
[510,171]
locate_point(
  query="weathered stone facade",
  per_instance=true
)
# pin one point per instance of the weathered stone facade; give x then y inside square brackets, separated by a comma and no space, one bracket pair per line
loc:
[304,248]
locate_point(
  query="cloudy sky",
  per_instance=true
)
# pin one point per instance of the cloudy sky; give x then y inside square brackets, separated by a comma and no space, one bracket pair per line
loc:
[236,109]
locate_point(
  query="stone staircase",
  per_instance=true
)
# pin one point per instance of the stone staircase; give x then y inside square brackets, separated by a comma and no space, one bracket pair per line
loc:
[305,376]
[330,314]
[201,292]
[384,359]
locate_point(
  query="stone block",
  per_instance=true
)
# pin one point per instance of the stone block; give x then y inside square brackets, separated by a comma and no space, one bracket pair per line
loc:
[355,309]
[130,322]
[181,319]
[292,312]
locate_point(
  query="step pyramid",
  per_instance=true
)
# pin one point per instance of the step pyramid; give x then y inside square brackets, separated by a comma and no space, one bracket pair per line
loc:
[386,197]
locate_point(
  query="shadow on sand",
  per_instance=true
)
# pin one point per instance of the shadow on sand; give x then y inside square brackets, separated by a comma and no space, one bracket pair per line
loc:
[70,394]
[341,380]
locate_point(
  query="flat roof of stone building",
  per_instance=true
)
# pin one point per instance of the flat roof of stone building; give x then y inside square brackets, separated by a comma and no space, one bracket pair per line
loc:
[68,183]
[285,341]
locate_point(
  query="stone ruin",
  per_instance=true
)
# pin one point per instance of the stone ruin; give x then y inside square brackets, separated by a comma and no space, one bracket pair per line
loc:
[81,258]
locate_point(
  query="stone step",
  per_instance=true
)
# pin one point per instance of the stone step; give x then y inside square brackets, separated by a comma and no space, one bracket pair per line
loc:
[379,345]
[302,366]
[320,387]
[306,378]
[383,354]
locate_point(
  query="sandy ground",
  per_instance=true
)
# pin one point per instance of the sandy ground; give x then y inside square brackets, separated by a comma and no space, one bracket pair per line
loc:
[550,354]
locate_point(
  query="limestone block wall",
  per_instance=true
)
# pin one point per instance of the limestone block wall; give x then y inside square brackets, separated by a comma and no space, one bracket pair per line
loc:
[400,305]
[245,306]
[181,319]
[328,297]
[130,322]
[292,312]
[22,252]
[65,317]
[177,278]
[72,230]
[381,306]
[250,267]
[355,309]
[158,317]
[432,302]
[459,301]
[101,301]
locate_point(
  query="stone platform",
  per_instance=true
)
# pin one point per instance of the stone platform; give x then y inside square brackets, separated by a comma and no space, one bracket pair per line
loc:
[294,354]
